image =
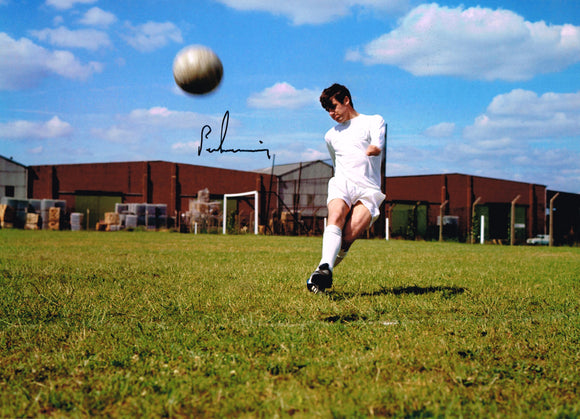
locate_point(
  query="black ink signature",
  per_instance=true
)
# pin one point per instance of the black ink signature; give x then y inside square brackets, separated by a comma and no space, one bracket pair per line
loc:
[206,130]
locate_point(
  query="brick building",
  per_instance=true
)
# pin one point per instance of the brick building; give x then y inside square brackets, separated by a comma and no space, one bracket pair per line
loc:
[414,206]
[99,186]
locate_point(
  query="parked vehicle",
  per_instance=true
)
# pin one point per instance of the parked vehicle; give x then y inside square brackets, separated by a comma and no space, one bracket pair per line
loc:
[540,239]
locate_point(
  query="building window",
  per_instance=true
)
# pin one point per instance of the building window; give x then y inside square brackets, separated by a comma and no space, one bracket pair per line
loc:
[9,191]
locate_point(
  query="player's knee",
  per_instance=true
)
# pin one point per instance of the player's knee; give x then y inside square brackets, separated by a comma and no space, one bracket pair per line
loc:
[337,214]
[337,221]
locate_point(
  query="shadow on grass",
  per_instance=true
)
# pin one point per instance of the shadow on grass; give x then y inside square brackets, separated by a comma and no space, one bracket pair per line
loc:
[345,318]
[446,292]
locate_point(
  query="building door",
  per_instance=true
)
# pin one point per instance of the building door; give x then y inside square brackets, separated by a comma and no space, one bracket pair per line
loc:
[409,221]
[499,221]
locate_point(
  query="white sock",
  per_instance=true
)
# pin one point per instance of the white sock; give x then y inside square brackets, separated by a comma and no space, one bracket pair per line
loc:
[331,242]
[341,255]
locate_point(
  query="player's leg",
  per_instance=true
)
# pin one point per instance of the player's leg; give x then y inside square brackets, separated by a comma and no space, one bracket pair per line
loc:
[338,212]
[359,220]
[321,278]
[356,225]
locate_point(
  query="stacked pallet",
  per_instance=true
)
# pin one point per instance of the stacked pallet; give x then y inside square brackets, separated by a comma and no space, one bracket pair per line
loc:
[290,222]
[150,216]
[54,218]
[6,216]
[112,218]
[32,221]
[33,214]
[131,221]
[46,205]
[112,222]
[17,215]
[122,210]
[76,221]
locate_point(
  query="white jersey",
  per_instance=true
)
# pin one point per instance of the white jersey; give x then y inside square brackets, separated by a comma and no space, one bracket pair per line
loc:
[347,143]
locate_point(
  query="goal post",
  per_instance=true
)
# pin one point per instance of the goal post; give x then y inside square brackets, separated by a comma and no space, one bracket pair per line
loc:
[237,195]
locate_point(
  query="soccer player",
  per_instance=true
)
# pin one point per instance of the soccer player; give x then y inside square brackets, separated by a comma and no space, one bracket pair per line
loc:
[356,145]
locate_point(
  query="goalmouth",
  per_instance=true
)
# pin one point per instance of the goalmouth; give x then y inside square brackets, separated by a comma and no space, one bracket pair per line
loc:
[236,195]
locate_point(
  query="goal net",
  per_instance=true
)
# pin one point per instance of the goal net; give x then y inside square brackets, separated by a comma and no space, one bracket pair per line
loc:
[243,196]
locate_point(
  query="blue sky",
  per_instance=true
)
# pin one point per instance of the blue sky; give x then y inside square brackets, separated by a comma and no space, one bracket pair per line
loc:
[488,88]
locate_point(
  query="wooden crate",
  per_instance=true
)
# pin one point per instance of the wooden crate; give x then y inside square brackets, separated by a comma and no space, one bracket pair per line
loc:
[32,221]
[112,218]
[54,214]
[6,214]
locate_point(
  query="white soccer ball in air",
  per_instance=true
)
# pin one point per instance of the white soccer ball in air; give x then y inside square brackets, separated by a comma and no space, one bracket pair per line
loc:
[197,70]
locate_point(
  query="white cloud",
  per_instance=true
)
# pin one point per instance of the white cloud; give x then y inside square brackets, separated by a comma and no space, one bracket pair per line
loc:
[185,148]
[146,123]
[98,17]
[488,149]
[311,154]
[65,64]
[316,11]
[522,114]
[90,39]
[442,130]
[152,35]
[475,43]
[117,134]
[18,130]
[67,4]
[23,64]
[283,95]
[521,136]
[165,118]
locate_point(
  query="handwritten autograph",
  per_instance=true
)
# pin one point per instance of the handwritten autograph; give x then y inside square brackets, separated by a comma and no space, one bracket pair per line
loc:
[206,131]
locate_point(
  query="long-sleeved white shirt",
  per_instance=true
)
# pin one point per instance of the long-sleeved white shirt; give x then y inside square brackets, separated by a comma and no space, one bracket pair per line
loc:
[347,143]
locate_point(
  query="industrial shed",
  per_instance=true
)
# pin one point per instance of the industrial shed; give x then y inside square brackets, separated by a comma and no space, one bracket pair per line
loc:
[13,179]
[301,196]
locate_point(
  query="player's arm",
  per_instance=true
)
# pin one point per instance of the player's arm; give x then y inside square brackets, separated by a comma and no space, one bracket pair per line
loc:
[377,138]
[331,152]
[373,150]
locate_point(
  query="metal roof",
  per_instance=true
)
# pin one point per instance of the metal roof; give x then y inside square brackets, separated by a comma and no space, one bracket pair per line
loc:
[11,160]
[284,169]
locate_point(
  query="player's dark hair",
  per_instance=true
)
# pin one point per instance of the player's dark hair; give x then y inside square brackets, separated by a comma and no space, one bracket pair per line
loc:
[337,91]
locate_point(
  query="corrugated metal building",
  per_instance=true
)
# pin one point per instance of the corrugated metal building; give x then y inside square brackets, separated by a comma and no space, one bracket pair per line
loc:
[13,179]
[301,195]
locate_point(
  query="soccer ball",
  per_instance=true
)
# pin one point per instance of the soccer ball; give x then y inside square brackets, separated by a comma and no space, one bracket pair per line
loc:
[197,70]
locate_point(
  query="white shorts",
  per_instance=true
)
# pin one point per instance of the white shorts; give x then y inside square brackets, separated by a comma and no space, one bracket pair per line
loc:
[352,193]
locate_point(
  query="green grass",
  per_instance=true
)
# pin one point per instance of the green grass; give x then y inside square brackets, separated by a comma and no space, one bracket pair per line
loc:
[166,324]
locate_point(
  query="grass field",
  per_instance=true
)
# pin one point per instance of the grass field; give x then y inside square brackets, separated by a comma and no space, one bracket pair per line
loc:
[146,324]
